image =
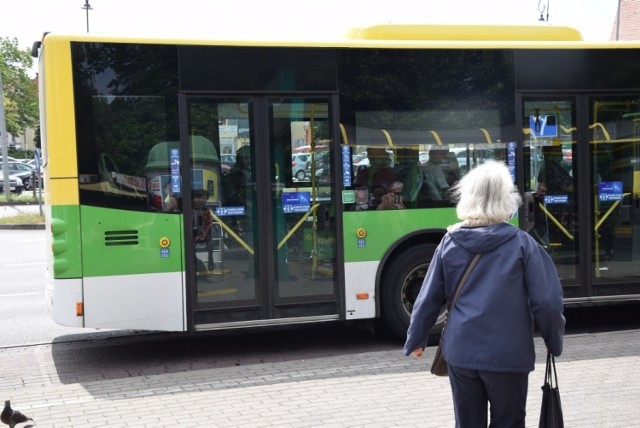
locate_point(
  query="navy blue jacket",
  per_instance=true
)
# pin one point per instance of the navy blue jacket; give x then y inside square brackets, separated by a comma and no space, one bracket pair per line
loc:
[491,326]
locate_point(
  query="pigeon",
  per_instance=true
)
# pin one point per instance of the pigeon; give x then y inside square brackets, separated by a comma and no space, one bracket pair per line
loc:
[12,417]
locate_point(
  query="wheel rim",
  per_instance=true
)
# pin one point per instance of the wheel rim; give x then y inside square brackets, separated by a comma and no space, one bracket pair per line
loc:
[411,287]
[301,175]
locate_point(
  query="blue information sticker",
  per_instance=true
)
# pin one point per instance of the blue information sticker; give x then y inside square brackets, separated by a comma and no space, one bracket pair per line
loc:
[296,202]
[230,211]
[610,191]
[556,199]
[346,166]
[542,125]
[174,157]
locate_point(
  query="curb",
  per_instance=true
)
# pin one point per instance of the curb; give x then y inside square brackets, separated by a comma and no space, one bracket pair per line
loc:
[22,226]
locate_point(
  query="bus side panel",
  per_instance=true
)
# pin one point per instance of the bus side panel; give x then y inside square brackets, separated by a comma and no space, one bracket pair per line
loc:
[360,279]
[368,235]
[65,240]
[133,269]
[146,302]
[62,296]
[60,127]
[120,242]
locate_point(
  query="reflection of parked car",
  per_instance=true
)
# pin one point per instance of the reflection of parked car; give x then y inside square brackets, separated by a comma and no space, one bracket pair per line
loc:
[475,157]
[360,160]
[300,163]
[15,184]
[24,172]
[423,157]
[323,166]
[227,162]
[10,159]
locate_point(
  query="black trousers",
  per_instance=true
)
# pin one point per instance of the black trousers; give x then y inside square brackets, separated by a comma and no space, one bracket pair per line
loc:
[474,390]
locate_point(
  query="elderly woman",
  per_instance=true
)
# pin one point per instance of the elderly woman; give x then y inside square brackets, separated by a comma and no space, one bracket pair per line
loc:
[488,342]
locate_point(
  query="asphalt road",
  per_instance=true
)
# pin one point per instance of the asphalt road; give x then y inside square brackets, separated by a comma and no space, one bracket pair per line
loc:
[23,312]
[26,321]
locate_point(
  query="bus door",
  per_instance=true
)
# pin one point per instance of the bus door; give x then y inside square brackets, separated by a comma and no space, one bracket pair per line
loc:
[580,191]
[613,136]
[261,221]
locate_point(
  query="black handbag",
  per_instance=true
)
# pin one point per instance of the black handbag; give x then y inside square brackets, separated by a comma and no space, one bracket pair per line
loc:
[551,410]
[439,365]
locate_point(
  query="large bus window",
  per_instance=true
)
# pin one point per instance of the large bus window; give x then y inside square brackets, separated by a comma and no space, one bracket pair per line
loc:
[119,125]
[432,132]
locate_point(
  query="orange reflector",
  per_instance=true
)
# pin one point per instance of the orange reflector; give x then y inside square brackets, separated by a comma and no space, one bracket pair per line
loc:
[362,296]
[79,309]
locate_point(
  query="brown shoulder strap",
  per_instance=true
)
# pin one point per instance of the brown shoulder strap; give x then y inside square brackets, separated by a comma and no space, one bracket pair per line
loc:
[463,280]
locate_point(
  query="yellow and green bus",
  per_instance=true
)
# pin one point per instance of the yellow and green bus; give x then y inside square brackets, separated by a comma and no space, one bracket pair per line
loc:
[172,204]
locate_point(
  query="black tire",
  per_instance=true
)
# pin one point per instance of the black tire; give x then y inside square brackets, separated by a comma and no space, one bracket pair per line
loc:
[27,183]
[301,175]
[401,283]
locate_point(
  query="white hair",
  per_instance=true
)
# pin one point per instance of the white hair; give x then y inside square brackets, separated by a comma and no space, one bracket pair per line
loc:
[486,193]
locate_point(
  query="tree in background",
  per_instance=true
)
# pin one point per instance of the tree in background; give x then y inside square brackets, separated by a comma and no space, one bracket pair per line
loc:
[20,90]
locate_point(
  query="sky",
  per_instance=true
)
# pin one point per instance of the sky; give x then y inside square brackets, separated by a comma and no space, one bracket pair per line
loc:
[27,20]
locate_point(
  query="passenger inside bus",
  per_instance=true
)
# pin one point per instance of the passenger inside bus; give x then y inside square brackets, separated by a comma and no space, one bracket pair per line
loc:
[201,226]
[439,174]
[393,200]
[239,193]
[540,229]
[377,178]
[238,177]
[554,173]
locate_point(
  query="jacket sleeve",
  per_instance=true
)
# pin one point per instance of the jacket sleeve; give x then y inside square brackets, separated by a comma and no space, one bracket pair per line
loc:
[545,297]
[427,305]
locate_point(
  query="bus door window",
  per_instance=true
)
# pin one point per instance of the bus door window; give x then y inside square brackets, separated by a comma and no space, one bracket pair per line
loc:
[550,193]
[202,228]
[614,132]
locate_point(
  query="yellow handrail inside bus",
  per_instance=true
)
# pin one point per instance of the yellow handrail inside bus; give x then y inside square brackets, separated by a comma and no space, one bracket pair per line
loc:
[486,135]
[608,213]
[436,137]
[607,137]
[556,222]
[297,225]
[343,131]
[388,137]
[232,234]
[597,226]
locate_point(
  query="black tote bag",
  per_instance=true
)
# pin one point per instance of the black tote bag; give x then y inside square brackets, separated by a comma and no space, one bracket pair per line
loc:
[551,410]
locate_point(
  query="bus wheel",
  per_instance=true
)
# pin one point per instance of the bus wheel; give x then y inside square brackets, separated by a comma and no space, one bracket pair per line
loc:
[401,283]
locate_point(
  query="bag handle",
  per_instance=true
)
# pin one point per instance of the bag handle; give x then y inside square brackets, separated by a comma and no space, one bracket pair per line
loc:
[551,367]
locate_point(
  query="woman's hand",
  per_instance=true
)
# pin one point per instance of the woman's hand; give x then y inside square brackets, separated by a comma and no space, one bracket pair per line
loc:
[417,353]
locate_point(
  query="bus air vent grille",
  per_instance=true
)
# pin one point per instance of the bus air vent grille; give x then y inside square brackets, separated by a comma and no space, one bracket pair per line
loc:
[121,237]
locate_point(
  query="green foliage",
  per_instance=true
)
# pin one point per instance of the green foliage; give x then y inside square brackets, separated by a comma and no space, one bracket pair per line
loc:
[20,90]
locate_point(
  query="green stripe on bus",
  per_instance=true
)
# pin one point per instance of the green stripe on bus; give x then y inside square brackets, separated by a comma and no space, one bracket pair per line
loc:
[383,228]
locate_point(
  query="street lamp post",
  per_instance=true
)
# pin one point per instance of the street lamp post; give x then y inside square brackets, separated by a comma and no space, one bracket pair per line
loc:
[87,7]
[542,8]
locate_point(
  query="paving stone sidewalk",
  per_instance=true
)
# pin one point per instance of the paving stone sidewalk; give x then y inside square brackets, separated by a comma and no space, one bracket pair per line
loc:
[598,377]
